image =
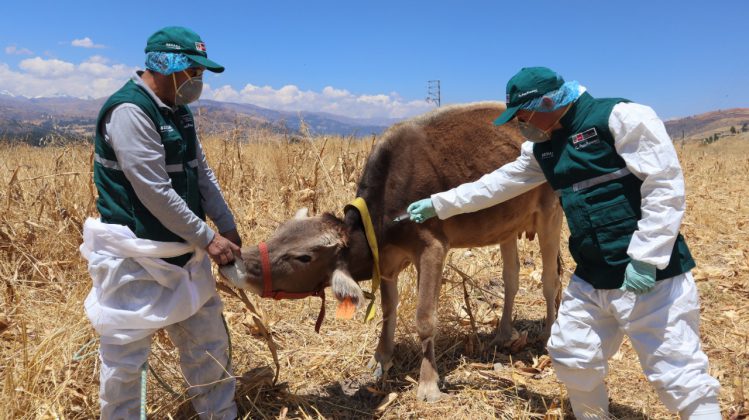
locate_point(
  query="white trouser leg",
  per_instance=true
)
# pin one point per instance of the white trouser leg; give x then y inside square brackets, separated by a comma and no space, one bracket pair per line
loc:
[203,350]
[663,326]
[582,340]
[704,409]
[592,404]
[121,364]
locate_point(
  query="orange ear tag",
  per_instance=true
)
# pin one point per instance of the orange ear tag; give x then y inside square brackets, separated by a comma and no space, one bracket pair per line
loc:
[346,309]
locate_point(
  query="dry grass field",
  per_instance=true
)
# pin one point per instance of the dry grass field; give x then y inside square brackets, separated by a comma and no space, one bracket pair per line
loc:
[48,368]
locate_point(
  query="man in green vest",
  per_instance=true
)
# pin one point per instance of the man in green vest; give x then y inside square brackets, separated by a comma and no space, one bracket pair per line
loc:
[149,253]
[620,184]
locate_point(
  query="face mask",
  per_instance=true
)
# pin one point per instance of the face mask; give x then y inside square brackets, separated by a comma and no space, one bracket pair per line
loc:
[188,91]
[535,134]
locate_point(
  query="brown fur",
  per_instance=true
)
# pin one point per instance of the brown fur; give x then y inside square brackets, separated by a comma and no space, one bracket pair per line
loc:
[412,160]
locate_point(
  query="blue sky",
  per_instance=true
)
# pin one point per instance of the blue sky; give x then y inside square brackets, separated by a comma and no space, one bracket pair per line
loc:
[373,59]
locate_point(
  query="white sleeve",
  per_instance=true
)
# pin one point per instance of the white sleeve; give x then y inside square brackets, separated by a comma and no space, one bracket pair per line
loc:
[212,199]
[141,156]
[509,181]
[641,139]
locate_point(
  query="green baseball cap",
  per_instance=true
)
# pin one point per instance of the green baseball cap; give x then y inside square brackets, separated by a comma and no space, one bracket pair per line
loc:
[528,84]
[178,39]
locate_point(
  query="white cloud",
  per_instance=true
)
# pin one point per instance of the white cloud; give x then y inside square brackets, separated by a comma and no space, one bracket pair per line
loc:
[97,66]
[13,50]
[52,68]
[85,43]
[93,77]
[98,59]
[330,99]
[97,77]
[224,93]
[332,92]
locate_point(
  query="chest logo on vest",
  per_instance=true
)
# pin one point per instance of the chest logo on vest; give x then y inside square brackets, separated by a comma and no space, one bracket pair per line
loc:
[166,128]
[187,121]
[584,139]
[547,155]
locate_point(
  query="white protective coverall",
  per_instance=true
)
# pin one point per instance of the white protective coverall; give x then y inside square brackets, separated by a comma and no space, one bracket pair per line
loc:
[134,294]
[663,324]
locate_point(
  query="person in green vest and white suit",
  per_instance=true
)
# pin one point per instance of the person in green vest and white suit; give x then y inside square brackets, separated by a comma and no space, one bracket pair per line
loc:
[148,253]
[620,184]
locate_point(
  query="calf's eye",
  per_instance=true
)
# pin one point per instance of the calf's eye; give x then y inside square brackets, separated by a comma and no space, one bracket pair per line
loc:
[304,258]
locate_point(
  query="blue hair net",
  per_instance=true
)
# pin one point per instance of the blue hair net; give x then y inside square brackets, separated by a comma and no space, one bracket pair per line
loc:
[567,93]
[167,63]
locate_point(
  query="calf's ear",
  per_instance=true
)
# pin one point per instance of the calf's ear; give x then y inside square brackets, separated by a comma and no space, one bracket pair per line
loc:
[344,286]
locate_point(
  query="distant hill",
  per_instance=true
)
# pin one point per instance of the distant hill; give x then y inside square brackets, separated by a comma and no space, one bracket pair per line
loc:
[37,120]
[221,116]
[705,125]
[33,119]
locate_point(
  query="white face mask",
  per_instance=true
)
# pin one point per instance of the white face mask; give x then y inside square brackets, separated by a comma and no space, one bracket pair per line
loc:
[189,91]
[535,134]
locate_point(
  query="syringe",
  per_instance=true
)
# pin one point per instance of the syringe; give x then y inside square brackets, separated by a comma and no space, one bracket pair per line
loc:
[402,217]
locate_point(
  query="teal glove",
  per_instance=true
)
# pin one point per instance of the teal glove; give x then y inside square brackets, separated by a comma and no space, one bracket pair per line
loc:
[421,210]
[639,277]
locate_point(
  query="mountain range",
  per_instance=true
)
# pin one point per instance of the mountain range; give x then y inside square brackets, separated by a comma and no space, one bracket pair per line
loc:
[700,126]
[37,120]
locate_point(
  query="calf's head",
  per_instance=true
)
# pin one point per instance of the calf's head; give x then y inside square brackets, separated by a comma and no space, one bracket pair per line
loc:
[305,255]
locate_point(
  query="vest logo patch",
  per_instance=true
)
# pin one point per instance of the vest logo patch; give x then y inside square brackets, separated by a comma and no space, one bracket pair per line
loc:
[187,121]
[166,129]
[547,155]
[584,139]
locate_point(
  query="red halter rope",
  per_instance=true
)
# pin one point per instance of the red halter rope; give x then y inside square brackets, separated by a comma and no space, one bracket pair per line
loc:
[268,291]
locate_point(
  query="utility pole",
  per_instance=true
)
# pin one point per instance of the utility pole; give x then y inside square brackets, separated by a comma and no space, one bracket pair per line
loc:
[433,92]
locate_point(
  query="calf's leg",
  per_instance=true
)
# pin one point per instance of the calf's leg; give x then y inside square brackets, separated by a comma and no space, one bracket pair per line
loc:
[382,360]
[549,238]
[510,277]
[429,266]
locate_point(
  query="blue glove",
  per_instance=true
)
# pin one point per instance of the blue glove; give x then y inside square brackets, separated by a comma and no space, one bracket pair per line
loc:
[421,210]
[639,277]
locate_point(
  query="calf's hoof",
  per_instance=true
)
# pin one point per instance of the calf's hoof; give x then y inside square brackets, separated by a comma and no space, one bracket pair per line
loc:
[503,339]
[429,392]
[379,368]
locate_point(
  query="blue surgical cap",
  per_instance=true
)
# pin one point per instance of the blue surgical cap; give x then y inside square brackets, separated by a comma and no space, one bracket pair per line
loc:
[566,94]
[167,63]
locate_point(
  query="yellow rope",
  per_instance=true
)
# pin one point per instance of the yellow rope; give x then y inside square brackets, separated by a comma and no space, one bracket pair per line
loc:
[361,205]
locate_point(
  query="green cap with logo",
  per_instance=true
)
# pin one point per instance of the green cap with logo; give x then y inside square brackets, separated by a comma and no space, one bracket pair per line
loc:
[178,39]
[528,84]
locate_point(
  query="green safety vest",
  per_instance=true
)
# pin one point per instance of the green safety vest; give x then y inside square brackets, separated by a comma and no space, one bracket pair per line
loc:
[117,202]
[600,198]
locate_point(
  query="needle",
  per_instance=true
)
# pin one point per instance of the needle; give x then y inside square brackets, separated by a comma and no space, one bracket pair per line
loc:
[402,217]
